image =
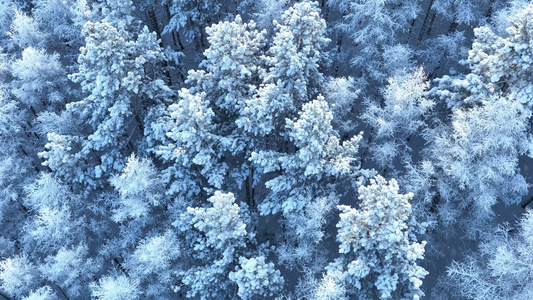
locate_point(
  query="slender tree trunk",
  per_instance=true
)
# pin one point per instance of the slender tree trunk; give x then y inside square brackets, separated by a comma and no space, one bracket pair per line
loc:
[364,154]
[339,47]
[426,18]
[154,22]
[250,190]
[452,27]
[61,290]
[435,71]
[121,267]
[33,111]
[167,11]
[430,26]
[434,203]
[177,37]
[489,11]
[410,30]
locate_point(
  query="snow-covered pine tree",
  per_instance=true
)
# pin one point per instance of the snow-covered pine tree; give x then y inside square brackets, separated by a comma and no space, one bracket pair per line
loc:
[7,12]
[155,263]
[217,239]
[18,276]
[63,21]
[71,270]
[378,245]
[116,71]
[306,183]
[190,146]
[25,32]
[319,155]
[196,135]
[40,80]
[341,94]
[256,277]
[499,63]
[464,11]
[293,77]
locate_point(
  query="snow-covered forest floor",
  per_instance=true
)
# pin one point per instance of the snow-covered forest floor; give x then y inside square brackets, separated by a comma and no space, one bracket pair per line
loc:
[264,149]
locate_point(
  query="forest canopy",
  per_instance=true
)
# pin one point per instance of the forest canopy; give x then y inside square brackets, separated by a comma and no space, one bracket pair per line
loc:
[265,149]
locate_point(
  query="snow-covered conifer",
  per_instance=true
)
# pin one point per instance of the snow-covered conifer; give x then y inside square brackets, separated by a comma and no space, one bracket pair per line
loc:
[462,11]
[266,11]
[304,231]
[233,67]
[48,191]
[42,293]
[114,72]
[25,31]
[372,25]
[379,250]
[444,51]
[214,236]
[498,64]
[341,94]
[13,170]
[320,156]
[51,228]
[329,288]
[305,182]
[11,122]
[293,78]
[62,20]
[218,228]
[233,64]
[190,146]
[7,12]
[255,277]
[154,256]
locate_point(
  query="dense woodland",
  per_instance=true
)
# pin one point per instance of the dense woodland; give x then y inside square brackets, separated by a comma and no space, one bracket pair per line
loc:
[266,149]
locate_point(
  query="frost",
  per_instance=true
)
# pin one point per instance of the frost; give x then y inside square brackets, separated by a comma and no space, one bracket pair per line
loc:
[18,275]
[254,277]
[115,288]
[378,254]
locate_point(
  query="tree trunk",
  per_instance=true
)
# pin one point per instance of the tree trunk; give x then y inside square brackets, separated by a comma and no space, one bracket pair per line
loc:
[339,46]
[250,191]
[121,267]
[61,290]
[489,11]
[430,26]
[426,18]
